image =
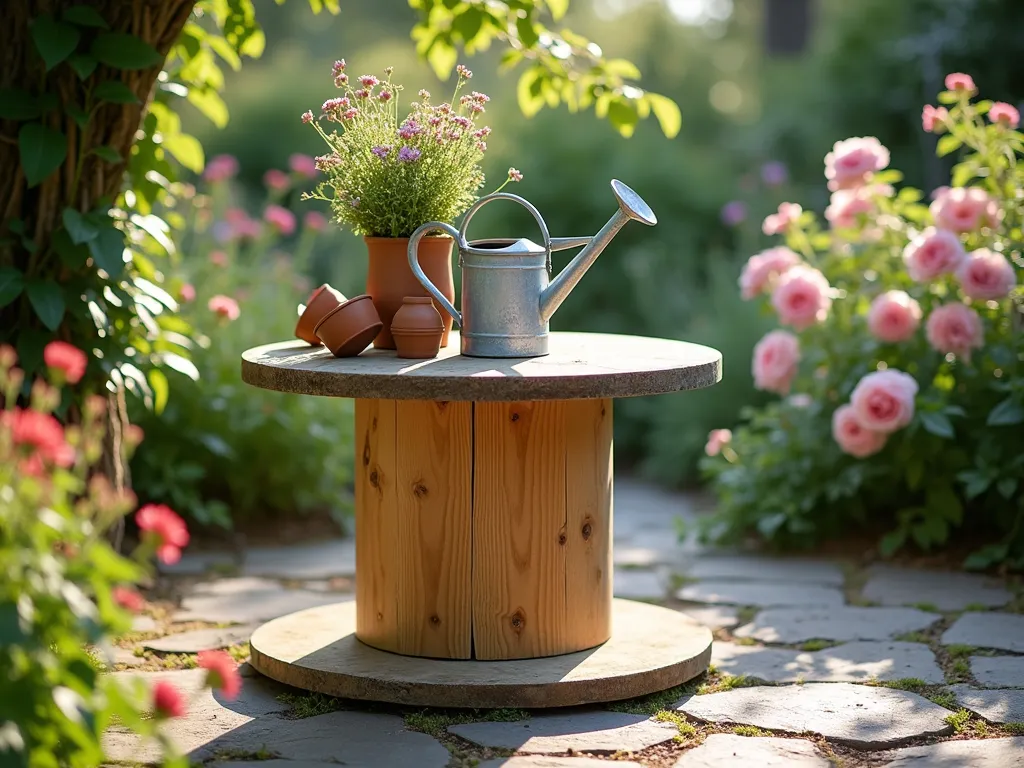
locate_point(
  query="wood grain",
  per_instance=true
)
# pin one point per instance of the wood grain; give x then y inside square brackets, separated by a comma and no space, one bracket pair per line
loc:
[435,520]
[588,506]
[519,530]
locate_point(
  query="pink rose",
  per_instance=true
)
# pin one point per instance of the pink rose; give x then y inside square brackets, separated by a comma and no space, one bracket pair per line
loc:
[762,269]
[1003,113]
[894,316]
[986,275]
[852,162]
[958,81]
[315,221]
[280,219]
[848,205]
[224,306]
[187,292]
[963,209]
[955,328]
[778,223]
[802,297]
[776,357]
[276,180]
[884,400]
[304,165]
[220,168]
[932,253]
[933,119]
[852,436]
[717,440]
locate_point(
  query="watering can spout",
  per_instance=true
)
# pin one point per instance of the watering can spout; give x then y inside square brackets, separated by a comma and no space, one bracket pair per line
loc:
[631,207]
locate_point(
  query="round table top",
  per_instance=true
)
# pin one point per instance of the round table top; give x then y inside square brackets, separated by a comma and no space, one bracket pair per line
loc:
[580,365]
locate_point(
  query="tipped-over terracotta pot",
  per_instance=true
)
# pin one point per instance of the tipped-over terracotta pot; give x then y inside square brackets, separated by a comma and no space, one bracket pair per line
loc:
[389,278]
[349,328]
[323,300]
[417,328]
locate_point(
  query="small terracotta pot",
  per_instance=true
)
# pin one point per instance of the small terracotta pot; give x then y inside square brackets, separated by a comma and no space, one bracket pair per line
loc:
[323,300]
[349,328]
[417,328]
[389,278]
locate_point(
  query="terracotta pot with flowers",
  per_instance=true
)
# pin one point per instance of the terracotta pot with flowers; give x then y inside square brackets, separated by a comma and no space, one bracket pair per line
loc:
[387,175]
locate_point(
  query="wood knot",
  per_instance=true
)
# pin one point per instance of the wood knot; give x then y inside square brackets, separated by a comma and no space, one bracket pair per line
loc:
[518,622]
[375,478]
[442,404]
[435,620]
[373,424]
[562,538]
[380,616]
[587,530]
[419,489]
[602,411]
[514,417]
[366,452]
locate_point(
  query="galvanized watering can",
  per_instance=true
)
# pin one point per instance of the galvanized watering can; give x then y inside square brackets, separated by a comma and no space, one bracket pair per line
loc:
[508,295]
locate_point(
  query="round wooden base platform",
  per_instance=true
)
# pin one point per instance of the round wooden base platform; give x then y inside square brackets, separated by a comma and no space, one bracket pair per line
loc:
[651,649]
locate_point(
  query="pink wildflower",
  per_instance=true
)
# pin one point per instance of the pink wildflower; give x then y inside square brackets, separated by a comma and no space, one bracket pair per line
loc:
[224,306]
[280,219]
[1004,114]
[958,81]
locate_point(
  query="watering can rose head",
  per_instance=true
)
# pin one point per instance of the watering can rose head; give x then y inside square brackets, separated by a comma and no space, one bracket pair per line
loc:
[387,174]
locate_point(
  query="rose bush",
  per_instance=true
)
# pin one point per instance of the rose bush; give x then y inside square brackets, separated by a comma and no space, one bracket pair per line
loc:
[906,353]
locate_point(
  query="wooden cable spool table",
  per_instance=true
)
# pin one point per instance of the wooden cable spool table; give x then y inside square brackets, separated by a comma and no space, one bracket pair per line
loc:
[484,528]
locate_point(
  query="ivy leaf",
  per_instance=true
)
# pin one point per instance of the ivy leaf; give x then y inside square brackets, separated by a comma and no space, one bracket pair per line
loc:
[79,115]
[115,92]
[54,39]
[124,51]
[1005,414]
[107,250]
[42,149]
[161,389]
[47,300]
[79,228]
[83,64]
[85,16]
[186,149]
[669,117]
[109,154]
[11,284]
[938,424]
[16,104]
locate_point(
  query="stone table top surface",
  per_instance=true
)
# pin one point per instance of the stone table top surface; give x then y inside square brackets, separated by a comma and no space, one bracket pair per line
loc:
[580,365]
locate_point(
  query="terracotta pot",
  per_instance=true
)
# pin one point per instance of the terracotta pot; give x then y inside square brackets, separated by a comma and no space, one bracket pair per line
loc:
[349,328]
[389,279]
[323,300]
[417,328]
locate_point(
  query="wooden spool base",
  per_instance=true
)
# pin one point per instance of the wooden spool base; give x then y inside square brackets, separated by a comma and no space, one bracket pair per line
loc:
[651,649]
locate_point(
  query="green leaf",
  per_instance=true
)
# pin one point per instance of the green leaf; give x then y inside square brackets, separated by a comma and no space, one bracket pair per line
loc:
[186,150]
[107,250]
[80,116]
[83,64]
[71,255]
[108,154]
[79,228]
[11,283]
[85,16]
[667,112]
[1005,414]
[16,104]
[1007,487]
[948,143]
[115,92]
[161,389]
[254,44]
[938,424]
[42,149]
[892,542]
[623,116]
[47,300]
[527,33]
[209,102]
[558,8]
[442,57]
[986,557]
[54,39]
[124,51]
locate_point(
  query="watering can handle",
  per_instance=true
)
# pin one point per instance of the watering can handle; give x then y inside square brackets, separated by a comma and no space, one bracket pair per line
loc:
[417,270]
[517,199]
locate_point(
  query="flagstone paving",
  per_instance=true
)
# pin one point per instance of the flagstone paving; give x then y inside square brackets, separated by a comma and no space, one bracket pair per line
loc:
[796,625]
[990,753]
[998,671]
[997,706]
[945,591]
[1004,631]
[725,749]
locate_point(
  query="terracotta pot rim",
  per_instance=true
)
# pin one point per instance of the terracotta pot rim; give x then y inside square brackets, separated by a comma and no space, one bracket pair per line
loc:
[368,238]
[404,332]
[340,307]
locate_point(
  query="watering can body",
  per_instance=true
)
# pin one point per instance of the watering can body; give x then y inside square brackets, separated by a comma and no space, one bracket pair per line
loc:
[508,296]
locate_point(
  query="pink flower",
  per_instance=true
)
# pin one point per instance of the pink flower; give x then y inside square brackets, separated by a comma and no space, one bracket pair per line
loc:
[222,672]
[513,173]
[166,528]
[66,358]
[778,223]
[852,436]
[955,328]
[280,219]
[848,205]
[218,259]
[851,162]
[986,275]
[276,179]
[315,221]
[220,168]
[1003,113]
[963,209]
[802,297]
[187,293]
[762,269]
[304,165]
[41,433]
[734,213]
[894,316]
[8,356]
[932,253]
[776,357]
[307,117]
[933,119]
[717,439]
[224,306]
[128,598]
[168,701]
[774,173]
[958,81]
[883,401]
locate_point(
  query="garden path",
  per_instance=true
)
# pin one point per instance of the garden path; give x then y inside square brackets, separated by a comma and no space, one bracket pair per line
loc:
[816,663]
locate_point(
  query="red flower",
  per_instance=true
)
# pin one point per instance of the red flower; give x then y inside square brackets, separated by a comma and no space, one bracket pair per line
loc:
[128,598]
[67,358]
[168,701]
[43,433]
[222,672]
[167,527]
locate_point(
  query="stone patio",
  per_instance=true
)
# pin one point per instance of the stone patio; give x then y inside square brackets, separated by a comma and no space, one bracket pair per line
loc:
[816,663]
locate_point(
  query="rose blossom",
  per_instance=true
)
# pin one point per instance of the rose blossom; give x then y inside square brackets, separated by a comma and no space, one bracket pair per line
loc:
[733,213]
[852,436]
[280,219]
[128,598]
[986,275]
[222,672]
[883,401]
[894,316]
[765,267]
[801,297]
[315,221]
[1003,113]
[775,361]
[187,292]
[717,439]
[304,165]
[955,328]
[67,358]
[963,209]
[778,223]
[41,432]
[166,527]
[847,205]
[958,81]
[168,701]
[932,253]
[851,162]
[933,119]
[276,179]
[220,168]
[224,306]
